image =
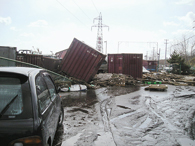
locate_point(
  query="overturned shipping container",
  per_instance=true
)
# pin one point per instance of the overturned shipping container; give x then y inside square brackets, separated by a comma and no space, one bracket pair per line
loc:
[128,64]
[81,61]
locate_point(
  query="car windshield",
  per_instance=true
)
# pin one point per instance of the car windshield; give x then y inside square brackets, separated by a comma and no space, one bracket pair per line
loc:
[13,89]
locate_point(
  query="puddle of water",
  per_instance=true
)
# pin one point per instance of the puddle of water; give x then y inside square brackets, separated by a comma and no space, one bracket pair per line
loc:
[80,99]
[91,97]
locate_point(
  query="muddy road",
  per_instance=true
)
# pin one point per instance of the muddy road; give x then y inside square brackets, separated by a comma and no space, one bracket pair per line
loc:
[128,116]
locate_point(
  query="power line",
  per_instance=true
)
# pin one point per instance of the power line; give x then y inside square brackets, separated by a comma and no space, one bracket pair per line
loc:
[81,10]
[120,42]
[71,13]
[95,7]
[183,41]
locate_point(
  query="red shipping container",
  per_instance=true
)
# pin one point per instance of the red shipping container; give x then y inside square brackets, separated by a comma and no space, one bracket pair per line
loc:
[128,64]
[30,58]
[150,65]
[81,61]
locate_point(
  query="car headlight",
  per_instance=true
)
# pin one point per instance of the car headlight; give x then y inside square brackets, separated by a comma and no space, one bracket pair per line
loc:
[27,141]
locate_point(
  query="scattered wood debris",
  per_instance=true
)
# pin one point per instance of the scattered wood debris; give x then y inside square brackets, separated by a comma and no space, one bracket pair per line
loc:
[109,79]
[158,87]
[168,78]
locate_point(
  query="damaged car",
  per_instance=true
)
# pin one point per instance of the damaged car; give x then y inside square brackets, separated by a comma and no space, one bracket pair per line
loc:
[30,107]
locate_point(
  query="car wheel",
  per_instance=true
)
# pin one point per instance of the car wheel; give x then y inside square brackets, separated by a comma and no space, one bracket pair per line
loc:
[61,117]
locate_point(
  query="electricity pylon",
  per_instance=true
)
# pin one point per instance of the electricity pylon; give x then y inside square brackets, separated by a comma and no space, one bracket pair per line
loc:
[99,41]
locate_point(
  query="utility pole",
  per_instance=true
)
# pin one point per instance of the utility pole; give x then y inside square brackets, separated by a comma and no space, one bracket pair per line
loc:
[147,56]
[158,54]
[106,47]
[153,54]
[165,52]
[99,41]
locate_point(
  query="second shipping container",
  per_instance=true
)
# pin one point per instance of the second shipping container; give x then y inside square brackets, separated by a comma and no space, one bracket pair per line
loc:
[128,64]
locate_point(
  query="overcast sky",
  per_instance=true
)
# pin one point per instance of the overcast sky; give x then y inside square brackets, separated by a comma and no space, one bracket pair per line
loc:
[51,25]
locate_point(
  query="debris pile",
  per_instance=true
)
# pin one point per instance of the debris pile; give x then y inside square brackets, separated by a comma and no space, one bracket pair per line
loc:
[168,78]
[109,79]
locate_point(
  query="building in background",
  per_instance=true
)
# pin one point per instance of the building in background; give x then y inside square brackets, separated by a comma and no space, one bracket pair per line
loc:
[7,52]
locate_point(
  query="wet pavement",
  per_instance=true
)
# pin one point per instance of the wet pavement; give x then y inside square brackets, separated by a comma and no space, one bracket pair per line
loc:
[126,116]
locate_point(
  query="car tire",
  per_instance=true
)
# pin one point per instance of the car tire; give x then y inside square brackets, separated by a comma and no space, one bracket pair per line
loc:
[61,117]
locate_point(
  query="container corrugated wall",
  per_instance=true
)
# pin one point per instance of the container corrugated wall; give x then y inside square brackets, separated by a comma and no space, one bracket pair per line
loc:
[51,64]
[30,58]
[8,52]
[150,65]
[81,61]
[129,64]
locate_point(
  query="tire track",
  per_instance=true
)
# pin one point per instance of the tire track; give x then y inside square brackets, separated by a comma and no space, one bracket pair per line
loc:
[176,134]
[106,109]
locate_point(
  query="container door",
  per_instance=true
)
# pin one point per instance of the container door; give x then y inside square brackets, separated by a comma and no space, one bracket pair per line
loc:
[119,64]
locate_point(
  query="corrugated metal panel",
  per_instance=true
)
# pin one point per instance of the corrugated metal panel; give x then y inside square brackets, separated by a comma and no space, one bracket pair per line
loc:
[30,58]
[51,64]
[150,65]
[115,63]
[81,61]
[8,52]
[145,63]
[133,65]
[129,64]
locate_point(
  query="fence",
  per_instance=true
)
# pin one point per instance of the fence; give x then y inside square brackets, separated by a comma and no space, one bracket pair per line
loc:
[56,77]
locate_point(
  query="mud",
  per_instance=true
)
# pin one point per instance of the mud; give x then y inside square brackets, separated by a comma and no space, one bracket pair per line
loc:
[126,116]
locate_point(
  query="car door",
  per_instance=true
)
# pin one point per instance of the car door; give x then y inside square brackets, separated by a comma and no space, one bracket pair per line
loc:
[45,108]
[54,98]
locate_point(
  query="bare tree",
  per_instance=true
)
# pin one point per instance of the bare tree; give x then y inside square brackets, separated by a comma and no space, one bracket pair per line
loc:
[185,48]
[192,48]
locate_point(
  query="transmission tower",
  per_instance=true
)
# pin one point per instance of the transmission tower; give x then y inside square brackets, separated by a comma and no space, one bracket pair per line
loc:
[99,41]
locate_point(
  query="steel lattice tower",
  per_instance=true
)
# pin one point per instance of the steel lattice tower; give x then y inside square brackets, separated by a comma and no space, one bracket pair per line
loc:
[99,41]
